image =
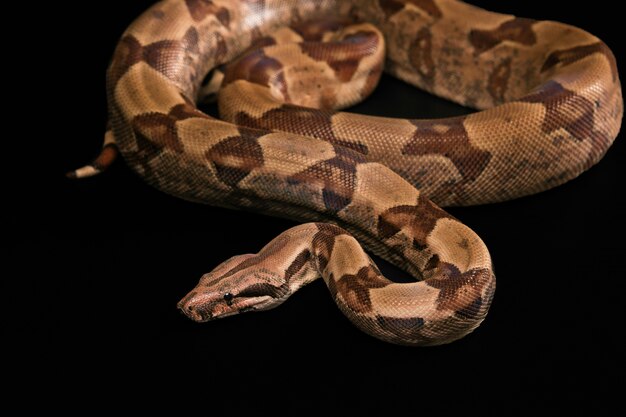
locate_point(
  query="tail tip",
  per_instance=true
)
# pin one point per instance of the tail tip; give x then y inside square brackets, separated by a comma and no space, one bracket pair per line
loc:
[84,172]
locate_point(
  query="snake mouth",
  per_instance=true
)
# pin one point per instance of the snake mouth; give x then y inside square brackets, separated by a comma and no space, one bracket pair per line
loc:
[197,314]
[203,315]
[200,311]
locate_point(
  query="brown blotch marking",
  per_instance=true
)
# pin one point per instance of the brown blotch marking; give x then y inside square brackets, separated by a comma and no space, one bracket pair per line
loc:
[186,111]
[405,328]
[336,176]
[315,30]
[146,150]
[127,53]
[236,156]
[344,55]
[256,33]
[420,54]
[223,15]
[565,57]
[498,80]
[420,220]
[164,57]
[252,132]
[297,264]
[258,43]
[258,68]
[471,311]
[296,119]
[432,263]
[448,137]
[221,49]
[160,129]
[344,69]
[354,289]
[200,9]
[335,201]
[263,289]
[517,30]
[301,120]
[460,292]
[418,245]
[190,40]
[329,229]
[559,102]
[355,146]
[372,79]
[324,242]
[391,7]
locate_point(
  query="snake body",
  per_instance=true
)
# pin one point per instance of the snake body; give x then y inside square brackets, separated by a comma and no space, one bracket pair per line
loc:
[551,107]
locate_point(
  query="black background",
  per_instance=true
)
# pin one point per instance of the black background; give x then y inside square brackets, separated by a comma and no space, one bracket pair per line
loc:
[103,262]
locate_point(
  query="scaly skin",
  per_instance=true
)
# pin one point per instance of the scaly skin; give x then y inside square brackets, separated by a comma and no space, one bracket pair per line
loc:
[552,106]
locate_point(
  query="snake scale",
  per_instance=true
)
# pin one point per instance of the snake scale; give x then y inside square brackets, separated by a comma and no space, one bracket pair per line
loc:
[549,101]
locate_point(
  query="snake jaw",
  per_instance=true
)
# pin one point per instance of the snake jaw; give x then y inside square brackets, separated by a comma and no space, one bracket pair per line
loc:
[207,306]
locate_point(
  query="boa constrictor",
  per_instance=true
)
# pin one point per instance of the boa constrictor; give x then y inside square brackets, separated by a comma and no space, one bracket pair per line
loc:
[551,106]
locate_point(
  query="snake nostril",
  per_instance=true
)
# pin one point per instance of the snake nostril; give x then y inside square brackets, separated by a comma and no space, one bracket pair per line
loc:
[190,308]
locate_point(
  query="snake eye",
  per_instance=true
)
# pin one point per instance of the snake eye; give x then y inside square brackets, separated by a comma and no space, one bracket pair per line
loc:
[228,297]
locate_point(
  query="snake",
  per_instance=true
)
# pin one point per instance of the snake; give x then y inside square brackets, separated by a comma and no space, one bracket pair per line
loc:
[548,106]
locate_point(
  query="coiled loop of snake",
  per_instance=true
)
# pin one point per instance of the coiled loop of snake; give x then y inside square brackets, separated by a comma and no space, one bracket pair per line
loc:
[551,106]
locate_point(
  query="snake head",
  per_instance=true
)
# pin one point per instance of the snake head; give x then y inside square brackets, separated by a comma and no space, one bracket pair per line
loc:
[236,286]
